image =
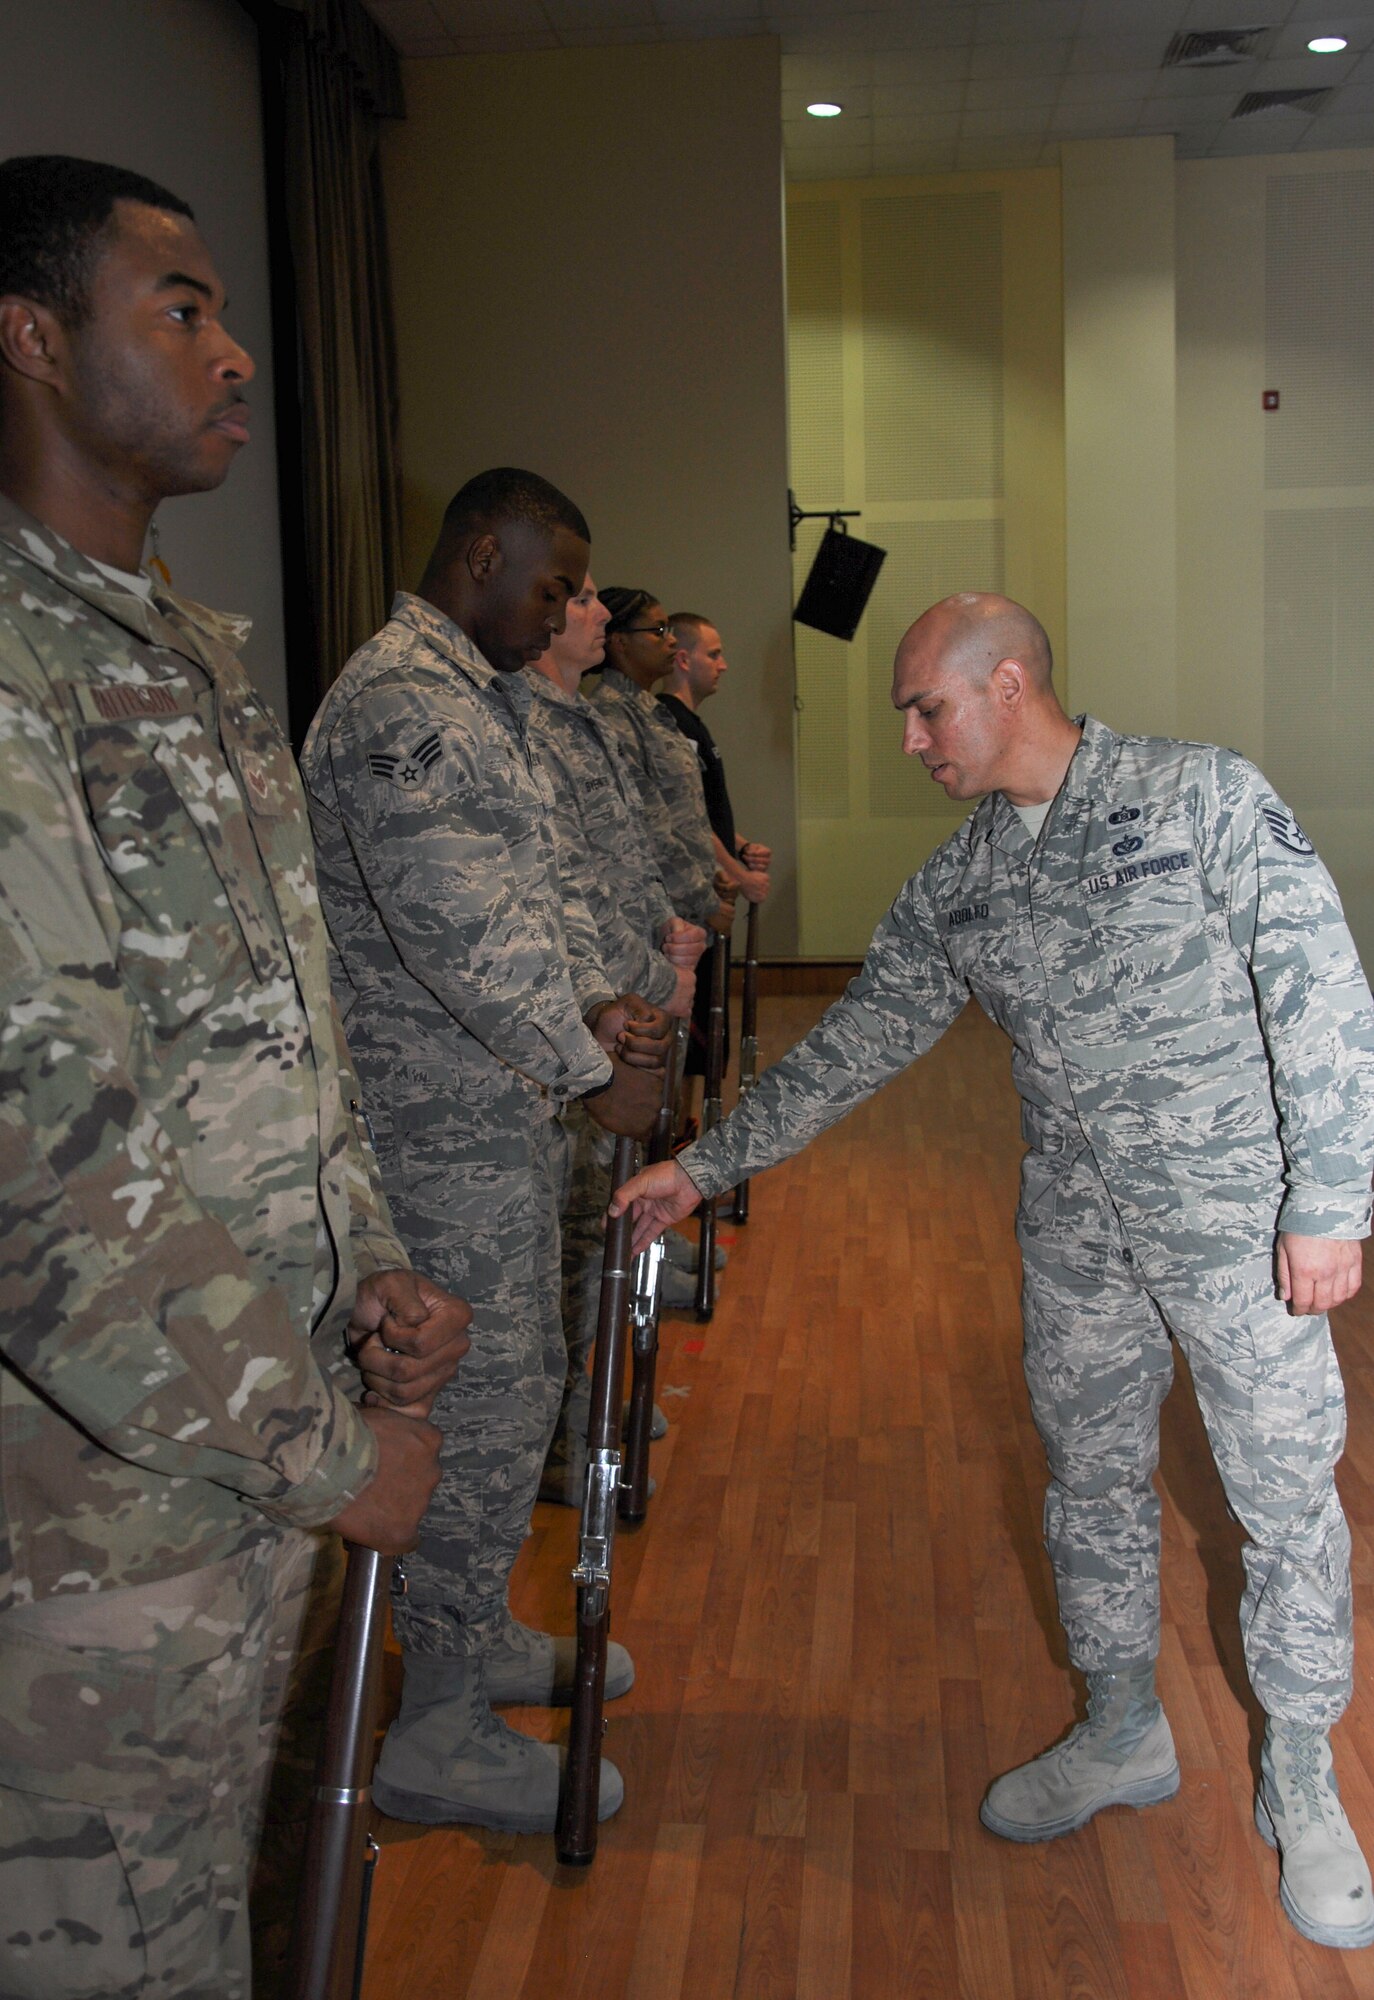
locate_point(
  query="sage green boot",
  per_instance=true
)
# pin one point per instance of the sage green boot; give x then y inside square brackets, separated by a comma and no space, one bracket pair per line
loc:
[537,1668]
[447,1760]
[1123,1755]
[1324,1884]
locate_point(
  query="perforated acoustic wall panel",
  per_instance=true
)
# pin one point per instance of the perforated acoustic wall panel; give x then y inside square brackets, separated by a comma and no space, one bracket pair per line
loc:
[815,377]
[932,316]
[1319,489]
[901,359]
[1319,329]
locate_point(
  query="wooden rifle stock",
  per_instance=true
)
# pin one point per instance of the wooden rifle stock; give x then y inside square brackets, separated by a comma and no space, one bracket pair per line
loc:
[575,1834]
[710,1118]
[748,1040]
[645,1299]
[336,1878]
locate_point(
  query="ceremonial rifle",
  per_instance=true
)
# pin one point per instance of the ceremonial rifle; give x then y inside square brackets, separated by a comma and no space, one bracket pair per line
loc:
[710,1118]
[330,1935]
[575,1834]
[645,1289]
[748,1040]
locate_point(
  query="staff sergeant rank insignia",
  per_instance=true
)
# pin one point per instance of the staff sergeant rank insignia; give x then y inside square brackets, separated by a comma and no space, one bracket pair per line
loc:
[409,771]
[1286,830]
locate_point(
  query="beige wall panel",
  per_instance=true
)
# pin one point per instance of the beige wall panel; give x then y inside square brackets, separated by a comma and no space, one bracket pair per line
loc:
[1275,599]
[587,250]
[1119,412]
[950,398]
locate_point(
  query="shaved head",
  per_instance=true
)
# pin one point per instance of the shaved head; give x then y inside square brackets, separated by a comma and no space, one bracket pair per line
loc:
[975,631]
[972,680]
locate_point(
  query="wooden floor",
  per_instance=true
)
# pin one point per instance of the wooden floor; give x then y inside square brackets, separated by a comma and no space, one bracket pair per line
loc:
[843,1625]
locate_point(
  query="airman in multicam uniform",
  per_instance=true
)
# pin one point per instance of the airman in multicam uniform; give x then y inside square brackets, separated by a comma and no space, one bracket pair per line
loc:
[438,877]
[1193,1044]
[605,858]
[639,653]
[189,1213]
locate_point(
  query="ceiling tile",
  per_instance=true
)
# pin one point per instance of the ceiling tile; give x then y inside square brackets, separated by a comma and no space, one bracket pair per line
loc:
[1009,21]
[1232,81]
[419,47]
[1292,41]
[491,17]
[816,75]
[990,154]
[1316,11]
[1264,134]
[1332,129]
[583,14]
[911,100]
[850,163]
[992,93]
[1192,110]
[1019,59]
[1140,17]
[913,159]
[1099,121]
[1118,52]
[1034,118]
[854,98]
[931,132]
[691,13]
[505,44]
[1304,73]
[921,65]
[1106,87]
[1352,101]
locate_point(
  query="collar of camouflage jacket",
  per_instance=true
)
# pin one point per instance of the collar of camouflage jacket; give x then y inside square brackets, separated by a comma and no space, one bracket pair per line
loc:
[1089,772]
[628,690]
[438,630]
[167,620]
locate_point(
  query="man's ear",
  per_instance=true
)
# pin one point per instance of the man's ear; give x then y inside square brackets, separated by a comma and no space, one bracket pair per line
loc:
[1009,678]
[32,341]
[483,558]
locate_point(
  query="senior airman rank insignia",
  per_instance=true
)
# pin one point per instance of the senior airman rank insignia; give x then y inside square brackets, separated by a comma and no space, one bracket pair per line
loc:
[1286,830]
[407,769]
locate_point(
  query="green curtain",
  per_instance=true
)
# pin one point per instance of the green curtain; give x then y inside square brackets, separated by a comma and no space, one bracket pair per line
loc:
[339,77]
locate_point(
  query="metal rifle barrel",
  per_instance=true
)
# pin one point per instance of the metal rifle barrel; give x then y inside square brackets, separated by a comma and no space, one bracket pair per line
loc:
[710,1118]
[575,1833]
[748,1040]
[330,1929]
[645,1295]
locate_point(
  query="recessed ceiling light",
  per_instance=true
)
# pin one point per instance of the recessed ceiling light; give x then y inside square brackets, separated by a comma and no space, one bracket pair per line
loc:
[1327,45]
[825,110]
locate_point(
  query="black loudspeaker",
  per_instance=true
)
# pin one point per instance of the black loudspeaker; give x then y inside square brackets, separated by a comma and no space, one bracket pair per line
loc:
[842,577]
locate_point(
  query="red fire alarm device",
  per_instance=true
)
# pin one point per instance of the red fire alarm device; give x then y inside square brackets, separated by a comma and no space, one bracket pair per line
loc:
[1270,399]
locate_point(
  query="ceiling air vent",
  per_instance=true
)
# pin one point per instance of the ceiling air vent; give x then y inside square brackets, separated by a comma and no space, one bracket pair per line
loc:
[1279,100]
[1213,48]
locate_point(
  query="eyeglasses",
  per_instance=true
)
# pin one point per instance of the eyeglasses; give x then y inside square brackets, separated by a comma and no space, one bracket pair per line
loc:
[657,630]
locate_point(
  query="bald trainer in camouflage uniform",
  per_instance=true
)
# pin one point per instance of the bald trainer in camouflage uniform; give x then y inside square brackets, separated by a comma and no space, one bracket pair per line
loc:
[438,876]
[640,649]
[189,1213]
[1194,1050]
[605,859]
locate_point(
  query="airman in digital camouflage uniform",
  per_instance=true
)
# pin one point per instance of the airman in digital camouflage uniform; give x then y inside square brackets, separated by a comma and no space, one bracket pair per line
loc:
[189,1214]
[639,653]
[605,858]
[1193,1045]
[438,877]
